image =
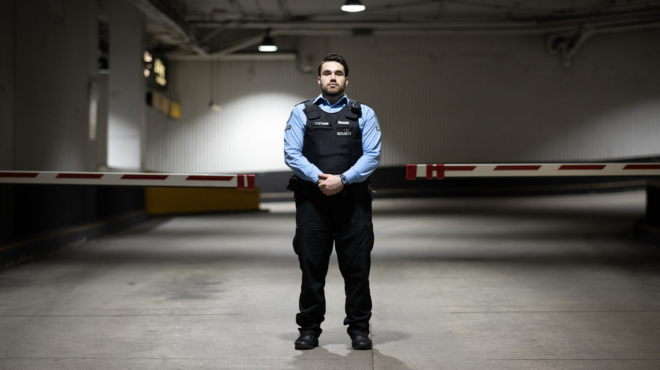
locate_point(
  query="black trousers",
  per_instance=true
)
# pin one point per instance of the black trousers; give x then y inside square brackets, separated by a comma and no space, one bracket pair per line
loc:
[344,219]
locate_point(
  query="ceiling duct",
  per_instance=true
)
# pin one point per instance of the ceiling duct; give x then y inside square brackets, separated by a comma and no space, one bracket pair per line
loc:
[173,20]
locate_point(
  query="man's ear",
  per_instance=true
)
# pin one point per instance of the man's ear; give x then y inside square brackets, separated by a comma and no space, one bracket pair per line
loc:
[318,79]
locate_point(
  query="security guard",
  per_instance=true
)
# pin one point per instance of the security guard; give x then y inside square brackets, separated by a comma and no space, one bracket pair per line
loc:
[332,144]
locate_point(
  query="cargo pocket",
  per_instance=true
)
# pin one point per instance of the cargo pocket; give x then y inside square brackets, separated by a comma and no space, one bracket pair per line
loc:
[296,242]
[370,237]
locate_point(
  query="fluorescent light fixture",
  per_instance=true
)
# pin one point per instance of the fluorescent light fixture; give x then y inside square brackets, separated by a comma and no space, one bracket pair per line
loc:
[267,45]
[353,6]
[267,48]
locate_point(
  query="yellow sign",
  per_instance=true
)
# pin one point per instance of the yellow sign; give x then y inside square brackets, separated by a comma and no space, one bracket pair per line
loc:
[175,110]
[165,105]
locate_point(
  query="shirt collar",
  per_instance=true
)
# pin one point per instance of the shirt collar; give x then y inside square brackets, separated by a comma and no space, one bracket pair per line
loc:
[321,100]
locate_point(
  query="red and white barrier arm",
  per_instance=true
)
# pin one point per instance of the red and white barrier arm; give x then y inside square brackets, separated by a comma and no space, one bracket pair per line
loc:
[440,171]
[128,179]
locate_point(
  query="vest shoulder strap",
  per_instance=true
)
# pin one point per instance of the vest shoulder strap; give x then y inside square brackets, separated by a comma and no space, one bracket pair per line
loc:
[312,111]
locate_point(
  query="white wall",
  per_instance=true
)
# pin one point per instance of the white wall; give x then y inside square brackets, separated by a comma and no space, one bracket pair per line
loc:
[256,100]
[444,99]
[52,62]
[7,57]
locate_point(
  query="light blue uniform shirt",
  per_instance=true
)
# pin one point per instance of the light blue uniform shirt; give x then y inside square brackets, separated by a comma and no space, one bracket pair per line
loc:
[295,132]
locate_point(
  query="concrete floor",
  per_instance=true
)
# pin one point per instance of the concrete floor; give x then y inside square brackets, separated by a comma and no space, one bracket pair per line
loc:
[512,283]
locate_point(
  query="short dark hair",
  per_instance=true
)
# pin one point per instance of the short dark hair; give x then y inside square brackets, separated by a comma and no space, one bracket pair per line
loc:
[335,58]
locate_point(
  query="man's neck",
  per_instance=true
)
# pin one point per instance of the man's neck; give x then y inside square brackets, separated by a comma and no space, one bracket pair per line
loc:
[333,99]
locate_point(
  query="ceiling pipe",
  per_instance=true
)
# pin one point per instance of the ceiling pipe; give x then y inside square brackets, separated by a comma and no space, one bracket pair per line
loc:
[236,46]
[649,15]
[335,29]
[227,53]
[443,32]
[173,21]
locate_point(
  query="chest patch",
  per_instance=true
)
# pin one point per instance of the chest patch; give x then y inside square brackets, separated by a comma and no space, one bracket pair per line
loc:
[320,124]
[343,122]
[344,133]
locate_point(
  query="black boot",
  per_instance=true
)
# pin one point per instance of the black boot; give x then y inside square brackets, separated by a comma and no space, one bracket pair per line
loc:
[307,340]
[360,340]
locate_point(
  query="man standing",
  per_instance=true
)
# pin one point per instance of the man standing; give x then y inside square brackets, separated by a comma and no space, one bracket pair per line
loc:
[332,144]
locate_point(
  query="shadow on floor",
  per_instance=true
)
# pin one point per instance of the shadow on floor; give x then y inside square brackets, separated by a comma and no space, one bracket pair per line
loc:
[319,356]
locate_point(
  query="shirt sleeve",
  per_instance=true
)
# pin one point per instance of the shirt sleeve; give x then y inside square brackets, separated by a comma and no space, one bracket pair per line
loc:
[370,159]
[294,132]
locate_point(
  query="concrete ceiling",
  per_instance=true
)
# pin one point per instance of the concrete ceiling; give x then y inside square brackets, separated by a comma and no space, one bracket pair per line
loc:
[222,27]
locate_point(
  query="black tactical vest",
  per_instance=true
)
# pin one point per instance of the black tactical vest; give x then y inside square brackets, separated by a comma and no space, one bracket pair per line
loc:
[333,141]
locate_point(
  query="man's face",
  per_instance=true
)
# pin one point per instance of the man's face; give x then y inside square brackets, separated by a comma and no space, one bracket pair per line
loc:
[333,81]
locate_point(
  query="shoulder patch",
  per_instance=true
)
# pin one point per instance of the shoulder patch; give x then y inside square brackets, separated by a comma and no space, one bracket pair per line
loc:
[288,127]
[377,128]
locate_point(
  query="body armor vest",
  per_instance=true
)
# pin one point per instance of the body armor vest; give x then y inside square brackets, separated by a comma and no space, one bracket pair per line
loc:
[332,141]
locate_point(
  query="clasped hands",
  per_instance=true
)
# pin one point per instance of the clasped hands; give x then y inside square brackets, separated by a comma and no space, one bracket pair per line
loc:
[330,184]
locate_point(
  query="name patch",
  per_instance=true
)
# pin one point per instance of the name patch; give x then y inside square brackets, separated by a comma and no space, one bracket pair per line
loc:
[343,122]
[322,124]
[344,133]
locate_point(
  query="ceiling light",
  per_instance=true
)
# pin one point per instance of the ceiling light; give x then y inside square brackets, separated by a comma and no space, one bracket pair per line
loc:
[267,45]
[353,6]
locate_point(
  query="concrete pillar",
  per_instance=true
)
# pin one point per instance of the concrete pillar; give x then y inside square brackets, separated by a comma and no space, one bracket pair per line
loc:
[7,120]
[126,86]
[7,84]
[52,85]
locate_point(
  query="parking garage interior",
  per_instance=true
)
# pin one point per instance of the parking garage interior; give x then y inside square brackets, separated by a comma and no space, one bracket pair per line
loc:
[550,272]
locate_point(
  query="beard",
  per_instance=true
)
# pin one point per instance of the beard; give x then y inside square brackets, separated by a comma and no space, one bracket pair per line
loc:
[339,90]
